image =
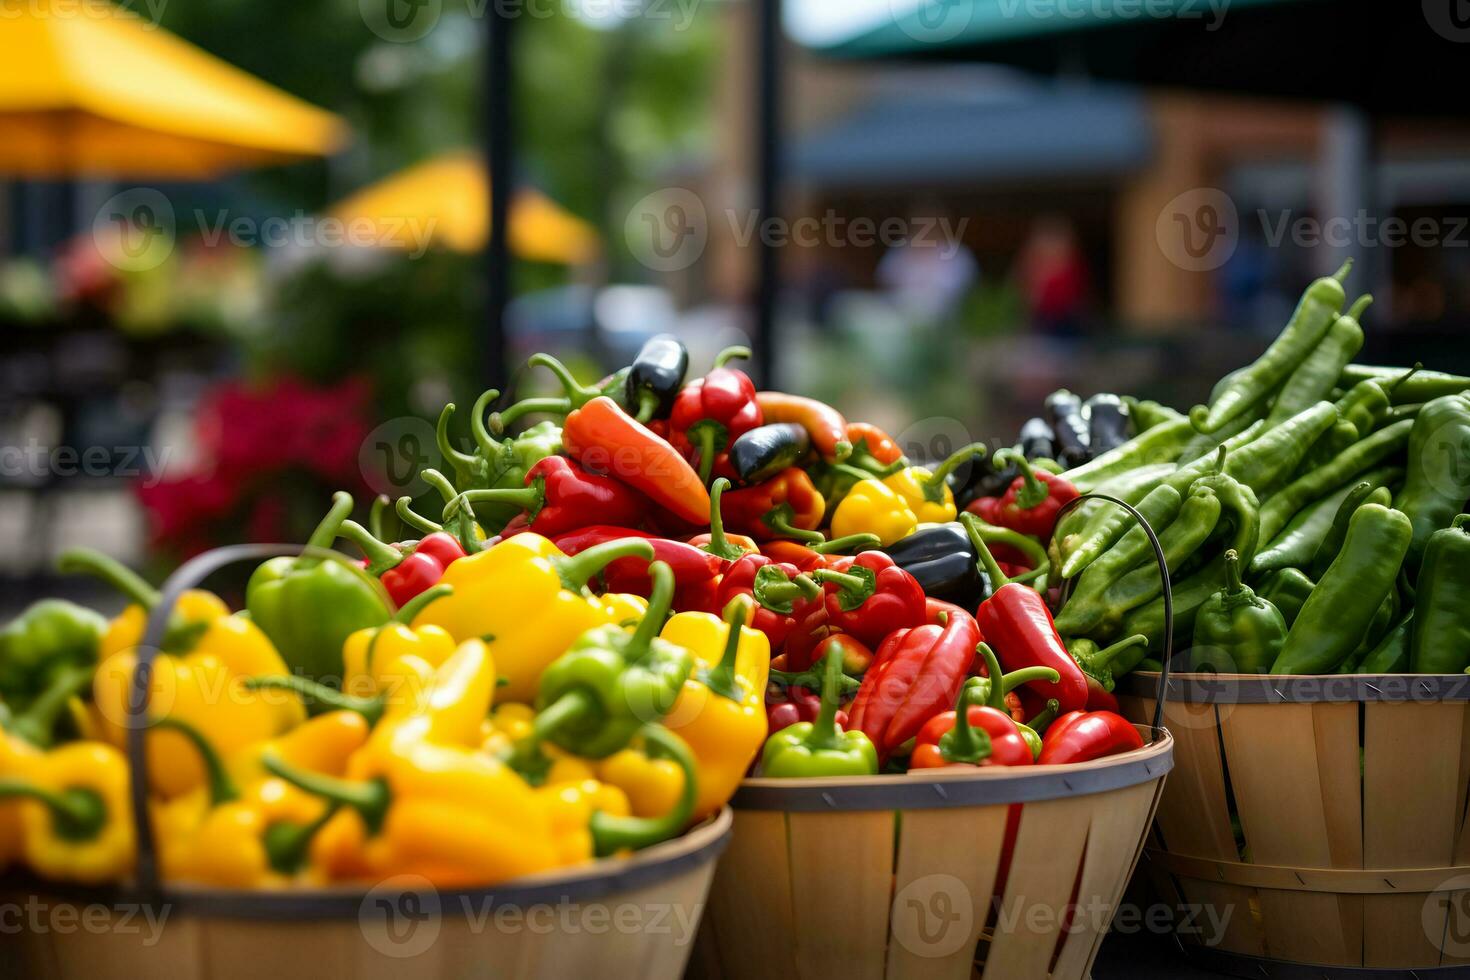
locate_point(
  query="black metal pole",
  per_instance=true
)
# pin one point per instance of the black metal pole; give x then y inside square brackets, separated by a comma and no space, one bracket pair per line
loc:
[500,156]
[769,176]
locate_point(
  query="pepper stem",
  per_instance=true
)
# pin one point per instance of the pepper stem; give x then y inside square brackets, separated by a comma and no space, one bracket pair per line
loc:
[934,485]
[440,483]
[1045,716]
[404,509]
[704,444]
[37,724]
[577,393]
[730,354]
[286,843]
[719,545]
[370,799]
[1233,584]
[995,697]
[1460,521]
[779,519]
[77,814]
[964,742]
[460,461]
[577,570]
[658,609]
[375,525]
[414,606]
[381,556]
[611,834]
[850,542]
[370,708]
[1033,492]
[1105,656]
[85,561]
[222,789]
[529,499]
[1355,312]
[490,448]
[778,593]
[500,421]
[721,678]
[647,405]
[328,530]
[1026,545]
[988,564]
[824,734]
[1392,386]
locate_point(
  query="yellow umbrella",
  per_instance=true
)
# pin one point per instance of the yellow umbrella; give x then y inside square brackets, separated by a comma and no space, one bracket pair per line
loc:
[448,199]
[90,89]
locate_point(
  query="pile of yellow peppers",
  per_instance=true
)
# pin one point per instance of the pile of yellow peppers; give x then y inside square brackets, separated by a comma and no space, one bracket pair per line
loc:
[476,737]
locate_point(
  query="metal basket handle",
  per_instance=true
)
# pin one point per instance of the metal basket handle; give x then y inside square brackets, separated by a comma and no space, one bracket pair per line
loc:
[1153,539]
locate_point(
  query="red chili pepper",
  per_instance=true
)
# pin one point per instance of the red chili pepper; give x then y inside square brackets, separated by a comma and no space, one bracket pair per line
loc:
[870,597]
[787,505]
[1081,736]
[1017,623]
[561,496]
[916,674]
[776,587]
[406,568]
[1100,698]
[1030,504]
[711,412]
[871,445]
[827,426]
[971,735]
[603,437]
[691,566]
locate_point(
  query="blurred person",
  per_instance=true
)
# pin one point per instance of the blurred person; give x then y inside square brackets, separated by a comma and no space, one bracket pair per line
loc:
[1054,277]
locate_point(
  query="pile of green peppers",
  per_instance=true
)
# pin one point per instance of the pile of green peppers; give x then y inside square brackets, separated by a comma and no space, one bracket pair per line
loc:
[1311,514]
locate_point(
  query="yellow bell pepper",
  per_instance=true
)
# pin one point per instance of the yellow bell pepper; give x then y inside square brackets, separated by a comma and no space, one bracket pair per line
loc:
[529,601]
[571,805]
[927,491]
[652,785]
[198,678]
[257,841]
[368,651]
[720,712]
[873,507]
[15,755]
[76,817]
[323,744]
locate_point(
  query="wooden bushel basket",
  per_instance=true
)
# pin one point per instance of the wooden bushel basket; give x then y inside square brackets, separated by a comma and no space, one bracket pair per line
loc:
[1353,849]
[888,877]
[626,917]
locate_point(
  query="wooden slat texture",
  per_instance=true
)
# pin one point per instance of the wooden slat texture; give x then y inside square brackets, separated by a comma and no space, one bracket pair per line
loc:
[1342,805]
[1047,858]
[841,881]
[1193,816]
[752,897]
[947,863]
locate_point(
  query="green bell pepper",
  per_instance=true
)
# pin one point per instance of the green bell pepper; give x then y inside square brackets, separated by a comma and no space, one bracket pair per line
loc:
[1236,627]
[309,606]
[49,636]
[820,748]
[1441,637]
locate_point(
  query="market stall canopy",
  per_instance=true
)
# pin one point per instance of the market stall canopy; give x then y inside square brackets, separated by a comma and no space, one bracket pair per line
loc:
[1400,58]
[90,89]
[448,197]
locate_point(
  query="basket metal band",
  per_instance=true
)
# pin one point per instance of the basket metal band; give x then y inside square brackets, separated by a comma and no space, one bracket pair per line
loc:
[959,787]
[1297,689]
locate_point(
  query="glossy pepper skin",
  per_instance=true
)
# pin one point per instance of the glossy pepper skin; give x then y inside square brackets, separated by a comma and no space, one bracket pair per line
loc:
[786,505]
[604,438]
[1236,631]
[531,599]
[826,425]
[406,569]
[1081,736]
[943,562]
[766,450]
[971,735]
[48,637]
[1031,503]
[694,568]
[927,491]
[775,587]
[655,376]
[1103,665]
[869,596]
[916,674]
[76,816]
[820,748]
[1016,622]
[1437,479]
[369,655]
[498,460]
[711,412]
[1064,413]
[874,507]
[1336,617]
[560,496]
[309,606]
[1440,642]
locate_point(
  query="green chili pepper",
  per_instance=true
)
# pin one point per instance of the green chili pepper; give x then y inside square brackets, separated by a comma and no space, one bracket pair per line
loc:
[1363,493]
[1283,505]
[1288,589]
[309,606]
[497,463]
[1205,443]
[1269,460]
[1437,482]
[1314,316]
[1391,656]
[49,636]
[1400,412]
[1299,540]
[1332,443]
[1441,636]
[1342,607]
[1315,377]
[1160,444]
[1236,631]
[820,748]
[1158,507]
[1191,592]
[1083,521]
[1369,402]
[1215,462]
[1148,414]
[1383,619]
[1107,664]
[1423,387]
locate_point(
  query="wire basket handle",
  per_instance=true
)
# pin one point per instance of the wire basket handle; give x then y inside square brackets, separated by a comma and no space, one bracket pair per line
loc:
[1153,539]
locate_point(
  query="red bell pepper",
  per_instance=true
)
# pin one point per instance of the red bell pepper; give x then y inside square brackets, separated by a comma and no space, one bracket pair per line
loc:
[811,629]
[787,505]
[1081,736]
[1031,503]
[1016,622]
[776,587]
[971,735]
[870,597]
[711,412]
[407,568]
[692,568]
[603,437]
[916,674]
[561,496]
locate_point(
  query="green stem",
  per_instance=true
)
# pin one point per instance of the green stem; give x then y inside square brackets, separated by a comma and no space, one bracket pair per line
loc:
[850,542]
[529,499]
[934,485]
[1045,716]
[964,742]
[222,789]
[647,405]
[824,734]
[611,834]
[779,519]
[1233,583]
[369,799]
[77,814]
[988,564]
[577,394]
[1105,656]
[779,596]
[286,843]
[811,679]
[1393,385]
[440,483]
[658,609]
[730,354]
[1355,312]
[381,556]
[37,724]
[490,448]
[721,678]
[844,581]
[452,456]
[704,436]
[85,561]
[500,421]
[1033,491]
[995,697]
[719,545]
[1460,521]
[375,526]
[1023,543]
[370,708]
[414,606]
[577,570]
[404,509]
